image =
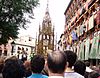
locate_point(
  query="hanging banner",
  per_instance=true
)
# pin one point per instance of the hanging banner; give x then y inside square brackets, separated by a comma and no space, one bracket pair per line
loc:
[87,46]
[78,31]
[70,39]
[91,22]
[94,48]
[98,50]
[81,53]
[78,50]
[74,35]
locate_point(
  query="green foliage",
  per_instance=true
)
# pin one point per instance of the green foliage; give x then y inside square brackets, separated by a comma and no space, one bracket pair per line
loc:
[12,16]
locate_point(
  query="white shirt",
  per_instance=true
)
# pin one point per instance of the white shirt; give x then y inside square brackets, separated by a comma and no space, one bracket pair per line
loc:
[88,69]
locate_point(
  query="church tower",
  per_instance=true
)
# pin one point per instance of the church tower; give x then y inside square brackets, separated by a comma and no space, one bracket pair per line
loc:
[45,39]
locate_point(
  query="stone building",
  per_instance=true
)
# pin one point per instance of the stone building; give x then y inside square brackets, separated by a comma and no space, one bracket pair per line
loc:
[23,46]
[5,49]
[82,28]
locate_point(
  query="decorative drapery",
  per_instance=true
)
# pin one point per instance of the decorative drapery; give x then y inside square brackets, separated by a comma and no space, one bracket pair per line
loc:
[87,46]
[81,53]
[91,22]
[94,52]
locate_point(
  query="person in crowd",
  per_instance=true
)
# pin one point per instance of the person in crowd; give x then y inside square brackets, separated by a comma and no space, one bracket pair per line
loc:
[12,68]
[45,70]
[94,74]
[71,58]
[56,63]
[88,69]
[1,66]
[24,56]
[98,69]
[80,67]
[37,65]
[27,68]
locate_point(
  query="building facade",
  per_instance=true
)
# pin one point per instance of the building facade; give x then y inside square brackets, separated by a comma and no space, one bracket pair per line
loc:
[5,49]
[82,28]
[23,46]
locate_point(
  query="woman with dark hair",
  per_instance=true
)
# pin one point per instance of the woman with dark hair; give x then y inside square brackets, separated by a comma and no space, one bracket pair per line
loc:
[37,65]
[12,69]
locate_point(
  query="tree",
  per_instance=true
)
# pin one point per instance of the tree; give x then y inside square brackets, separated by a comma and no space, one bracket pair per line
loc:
[12,16]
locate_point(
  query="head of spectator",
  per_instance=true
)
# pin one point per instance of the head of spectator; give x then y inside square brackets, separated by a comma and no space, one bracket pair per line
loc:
[88,69]
[80,67]
[27,64]
[27,68]
[37,63]
[71,58]
[94,74]
[87,63]
[56,63]
[1,64]
[12,69]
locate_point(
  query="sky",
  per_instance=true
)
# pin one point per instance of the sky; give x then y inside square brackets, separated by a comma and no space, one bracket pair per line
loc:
[56,10]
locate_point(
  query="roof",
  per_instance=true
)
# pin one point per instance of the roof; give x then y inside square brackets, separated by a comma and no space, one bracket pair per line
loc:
[68,6]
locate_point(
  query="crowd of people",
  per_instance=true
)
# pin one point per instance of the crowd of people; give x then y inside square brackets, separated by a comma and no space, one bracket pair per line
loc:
[57,64]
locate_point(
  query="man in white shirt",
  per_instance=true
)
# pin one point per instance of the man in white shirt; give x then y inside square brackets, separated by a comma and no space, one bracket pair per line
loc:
[71,59]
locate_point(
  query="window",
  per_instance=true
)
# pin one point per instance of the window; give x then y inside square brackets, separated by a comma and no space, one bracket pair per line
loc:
[26,49]
[40,37]
[47,37]
[43,36]
[5,53]
[22,49]
[30,39]
[19,48]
